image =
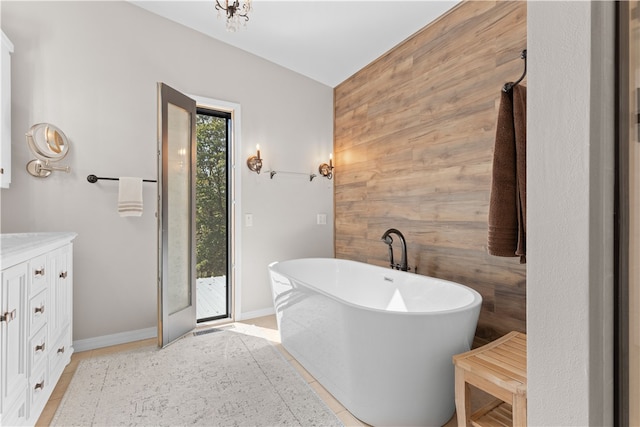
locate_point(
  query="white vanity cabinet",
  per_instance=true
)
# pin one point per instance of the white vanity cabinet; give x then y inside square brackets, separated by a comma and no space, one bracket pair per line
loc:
[5,112]
[36,303]
[13,345]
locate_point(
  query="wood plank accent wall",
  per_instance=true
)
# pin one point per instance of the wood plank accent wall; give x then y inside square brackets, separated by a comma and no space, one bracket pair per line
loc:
[414,135]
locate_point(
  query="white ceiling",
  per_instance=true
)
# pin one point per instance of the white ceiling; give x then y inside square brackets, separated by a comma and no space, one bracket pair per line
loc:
[326,40]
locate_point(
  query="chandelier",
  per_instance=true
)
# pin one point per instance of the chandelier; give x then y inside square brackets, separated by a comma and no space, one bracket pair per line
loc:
[237,13]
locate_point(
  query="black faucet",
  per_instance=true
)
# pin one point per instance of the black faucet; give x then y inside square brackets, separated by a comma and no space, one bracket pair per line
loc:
[389,241]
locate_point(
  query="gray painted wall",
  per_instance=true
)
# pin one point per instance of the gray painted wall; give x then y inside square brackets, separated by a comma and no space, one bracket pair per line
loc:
[91,68]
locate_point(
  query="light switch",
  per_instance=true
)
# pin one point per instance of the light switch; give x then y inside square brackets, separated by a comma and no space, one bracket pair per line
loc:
[322,219]
[248,220]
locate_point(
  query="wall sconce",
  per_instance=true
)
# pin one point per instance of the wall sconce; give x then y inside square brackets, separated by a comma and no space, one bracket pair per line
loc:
[326,170]
[255,162]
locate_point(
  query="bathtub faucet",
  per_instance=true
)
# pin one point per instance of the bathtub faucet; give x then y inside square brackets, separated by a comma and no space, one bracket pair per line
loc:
[389,241]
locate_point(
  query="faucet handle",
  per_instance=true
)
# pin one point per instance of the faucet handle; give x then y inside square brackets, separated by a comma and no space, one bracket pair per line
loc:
[399,267]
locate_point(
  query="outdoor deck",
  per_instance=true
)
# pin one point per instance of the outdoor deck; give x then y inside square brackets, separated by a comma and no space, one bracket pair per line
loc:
[211,296]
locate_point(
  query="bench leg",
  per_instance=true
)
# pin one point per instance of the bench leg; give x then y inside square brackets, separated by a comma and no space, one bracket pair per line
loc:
[519,408]
[463,399]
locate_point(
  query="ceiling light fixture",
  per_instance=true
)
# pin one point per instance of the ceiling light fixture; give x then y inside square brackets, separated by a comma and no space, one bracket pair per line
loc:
[237,13]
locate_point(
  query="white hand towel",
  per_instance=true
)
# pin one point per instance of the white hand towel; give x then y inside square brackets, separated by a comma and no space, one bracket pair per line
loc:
[130,196]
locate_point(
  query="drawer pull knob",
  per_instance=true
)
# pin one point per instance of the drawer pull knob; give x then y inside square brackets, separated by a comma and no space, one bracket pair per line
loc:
[39,309]
[61,350]
[40,347]
[39,271]
[39,385]
[63,275]
[8,316]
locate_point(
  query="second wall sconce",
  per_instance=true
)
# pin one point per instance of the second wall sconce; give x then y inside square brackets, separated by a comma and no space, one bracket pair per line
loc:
[326,170]
[255,162]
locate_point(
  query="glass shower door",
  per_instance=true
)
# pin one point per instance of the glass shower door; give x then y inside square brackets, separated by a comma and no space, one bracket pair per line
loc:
[176,211]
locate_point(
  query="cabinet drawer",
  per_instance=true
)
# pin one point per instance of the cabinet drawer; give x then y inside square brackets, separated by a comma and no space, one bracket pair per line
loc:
[39,392]
[38,349]
[38,274]
[60,354]
[38,311]
[17,414]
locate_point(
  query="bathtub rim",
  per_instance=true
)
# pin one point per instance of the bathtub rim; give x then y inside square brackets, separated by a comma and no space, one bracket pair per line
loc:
[476,302]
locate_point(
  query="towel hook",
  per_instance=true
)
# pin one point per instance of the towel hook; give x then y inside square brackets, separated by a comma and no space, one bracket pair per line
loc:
[508,86]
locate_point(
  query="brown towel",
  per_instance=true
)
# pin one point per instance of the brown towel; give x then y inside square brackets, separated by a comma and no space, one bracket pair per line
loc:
[508,200]
[520,122]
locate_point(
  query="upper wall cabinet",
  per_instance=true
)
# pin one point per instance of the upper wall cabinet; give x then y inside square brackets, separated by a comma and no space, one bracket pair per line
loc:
[5,112]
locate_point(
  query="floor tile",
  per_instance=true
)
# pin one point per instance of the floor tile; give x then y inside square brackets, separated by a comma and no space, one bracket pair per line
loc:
[284,352]
[328,399]
[302,371]
[349,420]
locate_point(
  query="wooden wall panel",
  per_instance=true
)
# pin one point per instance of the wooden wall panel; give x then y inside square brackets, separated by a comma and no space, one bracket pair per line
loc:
[414,134]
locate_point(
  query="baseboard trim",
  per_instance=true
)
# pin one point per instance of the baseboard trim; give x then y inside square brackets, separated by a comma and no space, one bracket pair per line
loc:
[143,334]
[115,339]
[257,313]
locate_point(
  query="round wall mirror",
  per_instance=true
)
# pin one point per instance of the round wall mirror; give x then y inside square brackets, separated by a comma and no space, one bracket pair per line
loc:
[49,144]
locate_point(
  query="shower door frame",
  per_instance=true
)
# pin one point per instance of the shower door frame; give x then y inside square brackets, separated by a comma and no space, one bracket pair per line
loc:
[234,231]
[229,179]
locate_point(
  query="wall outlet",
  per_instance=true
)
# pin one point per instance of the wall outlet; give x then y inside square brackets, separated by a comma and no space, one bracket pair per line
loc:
[322,219]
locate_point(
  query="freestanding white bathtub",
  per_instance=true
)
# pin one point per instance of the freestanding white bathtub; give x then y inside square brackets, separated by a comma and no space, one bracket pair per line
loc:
[379,340]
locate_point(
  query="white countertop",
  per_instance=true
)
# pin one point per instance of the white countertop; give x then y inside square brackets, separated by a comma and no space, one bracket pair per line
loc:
[18,247]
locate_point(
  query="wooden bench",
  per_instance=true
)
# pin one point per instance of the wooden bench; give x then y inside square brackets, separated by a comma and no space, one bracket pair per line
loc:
[500,369]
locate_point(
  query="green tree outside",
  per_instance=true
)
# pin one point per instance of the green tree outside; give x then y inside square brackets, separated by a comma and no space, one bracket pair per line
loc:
[211,196]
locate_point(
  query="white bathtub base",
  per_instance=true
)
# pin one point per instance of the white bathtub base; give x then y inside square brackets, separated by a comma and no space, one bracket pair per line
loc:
[388,368]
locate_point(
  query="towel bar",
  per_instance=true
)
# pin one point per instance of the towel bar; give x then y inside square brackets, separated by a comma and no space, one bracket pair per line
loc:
[93,179]
[310,175]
